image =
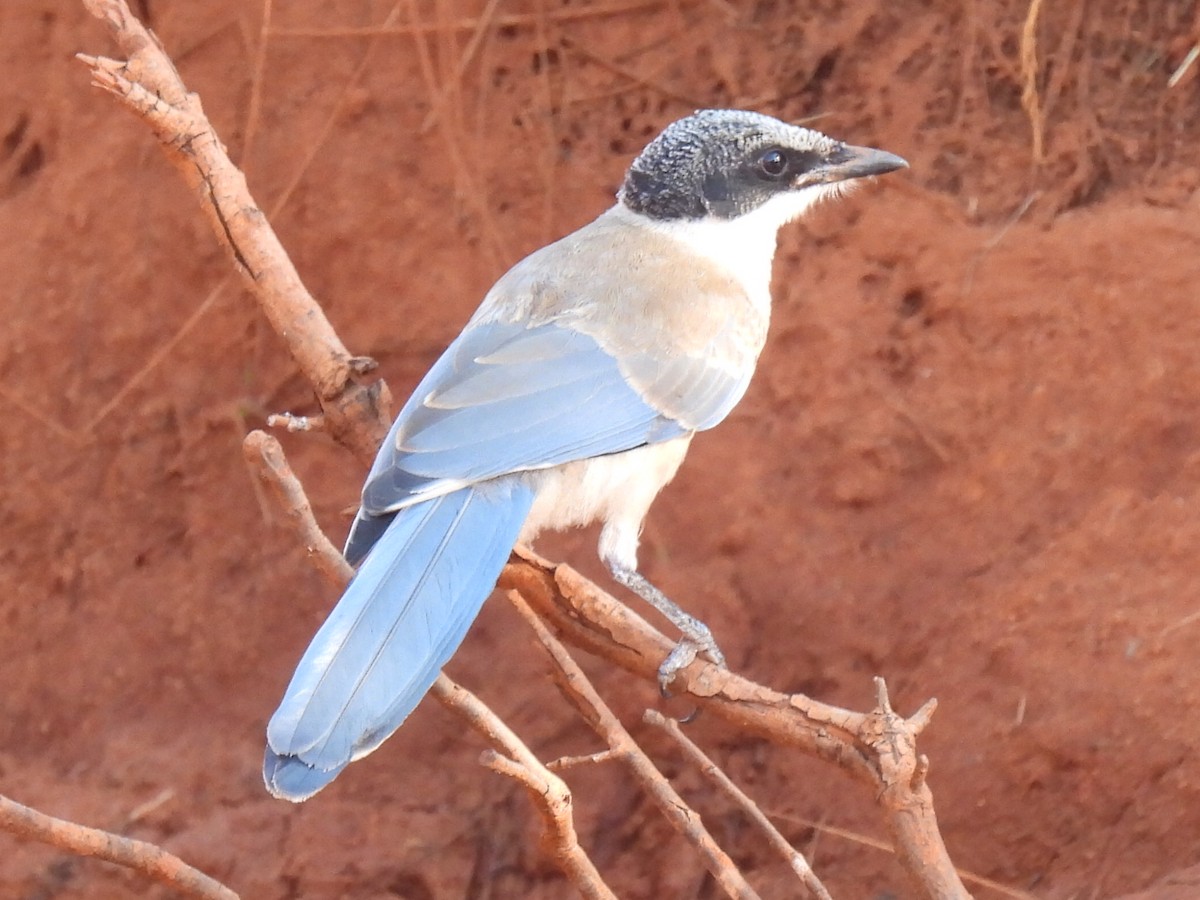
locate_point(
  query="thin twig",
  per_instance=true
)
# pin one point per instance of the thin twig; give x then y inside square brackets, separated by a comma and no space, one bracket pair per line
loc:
[549,793]
[794,858]
[264,454]
[595,711]
[150,860]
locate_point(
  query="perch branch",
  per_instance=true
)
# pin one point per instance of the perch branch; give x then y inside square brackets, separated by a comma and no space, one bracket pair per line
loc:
[578,689]
[147,83]
[878,747]
[713,772]
[509,756]
[150,860]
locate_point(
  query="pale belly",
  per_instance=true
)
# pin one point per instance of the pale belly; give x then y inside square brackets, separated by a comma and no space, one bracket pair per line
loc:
[617,488]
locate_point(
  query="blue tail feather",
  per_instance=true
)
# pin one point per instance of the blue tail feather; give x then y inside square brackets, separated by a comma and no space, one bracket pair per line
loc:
[400,620]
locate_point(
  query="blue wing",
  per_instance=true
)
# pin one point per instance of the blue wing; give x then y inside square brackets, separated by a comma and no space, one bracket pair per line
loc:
[505,398]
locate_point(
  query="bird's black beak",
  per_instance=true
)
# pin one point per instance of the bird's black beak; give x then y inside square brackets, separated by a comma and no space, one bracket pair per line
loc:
[857,162]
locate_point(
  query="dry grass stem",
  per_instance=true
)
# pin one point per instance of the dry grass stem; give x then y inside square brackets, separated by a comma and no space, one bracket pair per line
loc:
[1030,96]
[509,20]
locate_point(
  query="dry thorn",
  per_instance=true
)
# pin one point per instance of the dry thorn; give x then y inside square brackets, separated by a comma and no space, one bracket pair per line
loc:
[570,762]
[794,858]
[143,857]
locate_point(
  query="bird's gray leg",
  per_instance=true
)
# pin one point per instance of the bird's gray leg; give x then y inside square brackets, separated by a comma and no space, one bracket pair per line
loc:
[697,638]
[645,471]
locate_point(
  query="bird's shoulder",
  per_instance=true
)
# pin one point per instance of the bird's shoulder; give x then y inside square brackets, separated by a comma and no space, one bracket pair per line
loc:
[621,281]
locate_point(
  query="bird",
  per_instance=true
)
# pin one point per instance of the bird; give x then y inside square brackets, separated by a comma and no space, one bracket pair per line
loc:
[570,397]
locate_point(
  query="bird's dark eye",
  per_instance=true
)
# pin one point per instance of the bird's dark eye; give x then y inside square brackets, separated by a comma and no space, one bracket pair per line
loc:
[773,163]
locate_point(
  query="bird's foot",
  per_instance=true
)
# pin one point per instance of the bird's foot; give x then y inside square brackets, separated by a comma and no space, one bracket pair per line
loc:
[697,639]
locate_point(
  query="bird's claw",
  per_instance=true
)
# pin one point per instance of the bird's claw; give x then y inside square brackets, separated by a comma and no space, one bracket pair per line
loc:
[684,654]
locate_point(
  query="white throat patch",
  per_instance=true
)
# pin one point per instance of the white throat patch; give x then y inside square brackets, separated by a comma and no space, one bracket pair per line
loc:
[743,246]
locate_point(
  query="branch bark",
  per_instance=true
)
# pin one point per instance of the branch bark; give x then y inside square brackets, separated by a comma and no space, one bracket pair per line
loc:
[152,861]
[147,83]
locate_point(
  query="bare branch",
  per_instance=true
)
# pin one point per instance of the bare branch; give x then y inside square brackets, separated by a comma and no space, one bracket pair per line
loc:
[148,84]
[150,860]
[794,858]
[265,457]
[595,711]
[549,793]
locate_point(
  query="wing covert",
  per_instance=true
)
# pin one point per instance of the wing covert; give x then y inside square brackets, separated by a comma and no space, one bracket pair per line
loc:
[505,398]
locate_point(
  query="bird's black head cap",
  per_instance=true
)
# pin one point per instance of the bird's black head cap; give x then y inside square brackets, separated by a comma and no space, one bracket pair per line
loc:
[725,163]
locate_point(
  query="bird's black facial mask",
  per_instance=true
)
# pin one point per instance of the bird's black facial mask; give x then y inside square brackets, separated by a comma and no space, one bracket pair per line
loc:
[729,192]
[726,163]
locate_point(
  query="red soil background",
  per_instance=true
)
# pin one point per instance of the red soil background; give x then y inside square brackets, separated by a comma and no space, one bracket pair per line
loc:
[969,461]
